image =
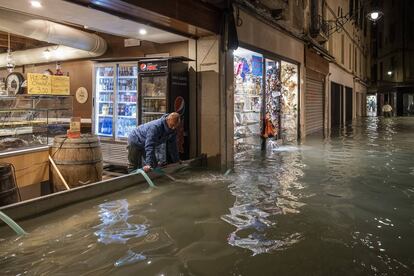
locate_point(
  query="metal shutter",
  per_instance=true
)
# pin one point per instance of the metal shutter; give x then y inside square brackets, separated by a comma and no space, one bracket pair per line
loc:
[313,105]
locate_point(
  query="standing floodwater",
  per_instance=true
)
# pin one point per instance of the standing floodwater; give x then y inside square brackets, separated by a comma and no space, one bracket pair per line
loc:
[337,206]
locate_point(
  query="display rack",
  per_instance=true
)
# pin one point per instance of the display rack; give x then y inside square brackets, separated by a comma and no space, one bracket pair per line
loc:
[32,120]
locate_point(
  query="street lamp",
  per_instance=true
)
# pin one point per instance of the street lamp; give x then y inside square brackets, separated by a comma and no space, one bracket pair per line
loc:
[375,15]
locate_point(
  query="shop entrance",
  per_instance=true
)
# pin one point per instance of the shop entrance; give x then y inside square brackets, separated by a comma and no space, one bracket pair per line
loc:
[348,104]
[372,105]
[336,104]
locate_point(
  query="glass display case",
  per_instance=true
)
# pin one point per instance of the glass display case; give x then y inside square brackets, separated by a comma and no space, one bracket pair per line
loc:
[28,120]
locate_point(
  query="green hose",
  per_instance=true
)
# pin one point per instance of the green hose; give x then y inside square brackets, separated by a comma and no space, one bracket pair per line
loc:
[13,225]
[161,172]
[145,175]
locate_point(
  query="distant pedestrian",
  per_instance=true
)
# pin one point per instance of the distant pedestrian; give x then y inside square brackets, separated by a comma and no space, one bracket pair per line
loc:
[387,110]
[411,108]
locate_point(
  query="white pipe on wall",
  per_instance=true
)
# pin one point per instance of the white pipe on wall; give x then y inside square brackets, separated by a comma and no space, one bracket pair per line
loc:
[83,44]
[34,56]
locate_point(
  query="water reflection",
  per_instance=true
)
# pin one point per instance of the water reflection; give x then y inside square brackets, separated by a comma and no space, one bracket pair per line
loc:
[115,227]
[265,189]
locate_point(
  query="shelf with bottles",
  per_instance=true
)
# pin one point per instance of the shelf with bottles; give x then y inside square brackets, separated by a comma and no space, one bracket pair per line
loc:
[127,84]
[105,98]
[105,84]
[129,110]
[125,126]
[149,118]
[105,126]
[127,98]
[159,113]
[154,86]
[158,106]
[105,72]
[154,98]
[127,71]
[105,109]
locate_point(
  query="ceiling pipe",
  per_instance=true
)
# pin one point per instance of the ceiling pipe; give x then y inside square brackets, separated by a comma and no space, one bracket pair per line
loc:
[73,43]
[36,56]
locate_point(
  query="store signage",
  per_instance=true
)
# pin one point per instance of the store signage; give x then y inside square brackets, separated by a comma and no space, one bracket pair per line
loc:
[39,83]
[47,84]
[153,67]
[60,85]
[82,95]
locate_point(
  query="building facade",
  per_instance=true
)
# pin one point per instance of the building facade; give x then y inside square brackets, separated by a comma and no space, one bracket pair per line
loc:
[393,54]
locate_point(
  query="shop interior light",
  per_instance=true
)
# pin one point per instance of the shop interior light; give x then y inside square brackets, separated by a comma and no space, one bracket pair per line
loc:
[389,73]
[36,4]
[142,31]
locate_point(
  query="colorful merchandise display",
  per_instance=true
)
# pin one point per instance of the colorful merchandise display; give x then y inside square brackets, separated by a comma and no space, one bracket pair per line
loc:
[248,93]
[260,80]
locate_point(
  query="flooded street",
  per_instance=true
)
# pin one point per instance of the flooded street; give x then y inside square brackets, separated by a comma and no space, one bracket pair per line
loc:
[337,206]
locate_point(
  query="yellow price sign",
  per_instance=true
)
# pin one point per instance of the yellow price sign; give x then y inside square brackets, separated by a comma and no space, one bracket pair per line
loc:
[60,85]
[38,83]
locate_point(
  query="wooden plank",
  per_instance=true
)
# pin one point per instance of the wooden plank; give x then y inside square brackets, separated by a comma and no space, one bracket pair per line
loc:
[31,168]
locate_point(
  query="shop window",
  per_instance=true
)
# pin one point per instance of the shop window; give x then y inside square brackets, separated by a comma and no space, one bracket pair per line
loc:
[289,100]
[248,93]
[273,100]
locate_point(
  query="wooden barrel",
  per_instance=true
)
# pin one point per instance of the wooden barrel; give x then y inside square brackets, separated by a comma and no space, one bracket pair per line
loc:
[79,160]
[8,187]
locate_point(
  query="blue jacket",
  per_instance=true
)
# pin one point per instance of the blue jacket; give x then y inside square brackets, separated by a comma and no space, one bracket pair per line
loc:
[152,134]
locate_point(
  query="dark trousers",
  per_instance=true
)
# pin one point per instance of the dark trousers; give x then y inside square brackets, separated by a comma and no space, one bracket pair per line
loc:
[135,156]
[387,114]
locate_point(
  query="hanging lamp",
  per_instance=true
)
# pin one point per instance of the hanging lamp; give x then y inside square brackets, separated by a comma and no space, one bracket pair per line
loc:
[9,58]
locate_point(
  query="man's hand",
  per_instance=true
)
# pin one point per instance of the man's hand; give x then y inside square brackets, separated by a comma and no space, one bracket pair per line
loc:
[147,168]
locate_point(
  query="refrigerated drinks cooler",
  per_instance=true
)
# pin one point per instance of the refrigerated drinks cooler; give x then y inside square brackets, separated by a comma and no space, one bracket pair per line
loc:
[116,94]
[134,93]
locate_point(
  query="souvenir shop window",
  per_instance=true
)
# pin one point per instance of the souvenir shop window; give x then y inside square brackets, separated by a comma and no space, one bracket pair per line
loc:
[248,92]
